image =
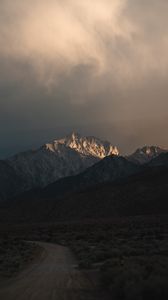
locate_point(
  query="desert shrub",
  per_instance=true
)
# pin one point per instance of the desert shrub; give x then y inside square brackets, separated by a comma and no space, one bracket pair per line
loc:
[138,278]
[14,253]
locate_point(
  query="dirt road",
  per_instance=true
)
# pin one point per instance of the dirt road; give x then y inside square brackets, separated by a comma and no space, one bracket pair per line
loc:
[53,276]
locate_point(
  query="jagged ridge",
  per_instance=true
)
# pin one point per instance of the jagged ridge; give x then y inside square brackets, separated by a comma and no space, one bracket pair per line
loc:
[146,154]
[89,146]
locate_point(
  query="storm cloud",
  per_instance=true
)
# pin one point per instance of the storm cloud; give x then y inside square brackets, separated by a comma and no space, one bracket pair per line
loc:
[98,67]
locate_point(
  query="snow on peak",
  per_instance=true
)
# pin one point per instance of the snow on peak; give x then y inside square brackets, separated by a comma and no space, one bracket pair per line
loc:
[89,146]
[146,153]
[150,150]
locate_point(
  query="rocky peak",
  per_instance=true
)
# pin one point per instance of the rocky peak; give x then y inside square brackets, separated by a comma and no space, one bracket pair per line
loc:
[146,153]
[150,150]
[86,145]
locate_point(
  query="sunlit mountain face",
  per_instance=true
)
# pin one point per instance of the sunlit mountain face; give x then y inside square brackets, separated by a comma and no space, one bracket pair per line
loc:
[85,145]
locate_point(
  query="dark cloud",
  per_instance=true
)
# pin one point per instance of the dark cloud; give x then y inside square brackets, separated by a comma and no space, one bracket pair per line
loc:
[99,67]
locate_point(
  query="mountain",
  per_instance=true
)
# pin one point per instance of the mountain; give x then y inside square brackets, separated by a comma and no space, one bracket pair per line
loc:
[144,193]
[161,160]
[111,168]
[63,157]
[139,191]
[146,154]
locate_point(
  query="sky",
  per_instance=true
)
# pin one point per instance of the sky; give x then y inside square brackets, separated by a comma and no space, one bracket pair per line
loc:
[97,67]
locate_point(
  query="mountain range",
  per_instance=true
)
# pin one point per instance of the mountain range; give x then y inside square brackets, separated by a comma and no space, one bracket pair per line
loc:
[141,191]
[65,177]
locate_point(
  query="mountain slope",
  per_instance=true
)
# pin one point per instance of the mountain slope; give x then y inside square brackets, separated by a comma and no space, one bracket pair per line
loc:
[110,169]
[63,157]
[10,183]
[146,154]
[138,194]
[42,166]
[144,193]
[161,160]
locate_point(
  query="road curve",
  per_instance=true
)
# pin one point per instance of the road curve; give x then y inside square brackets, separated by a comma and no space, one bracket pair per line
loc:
[53,276]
